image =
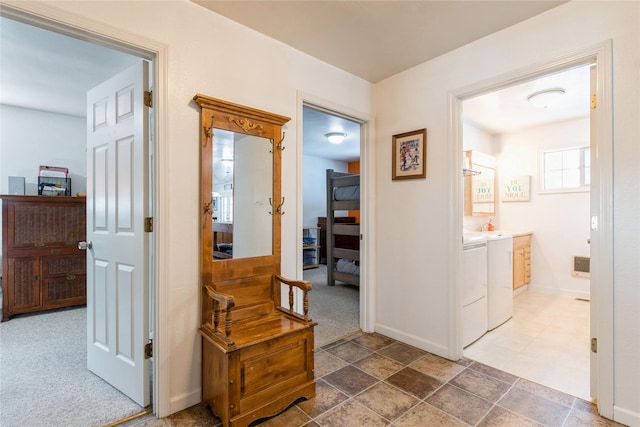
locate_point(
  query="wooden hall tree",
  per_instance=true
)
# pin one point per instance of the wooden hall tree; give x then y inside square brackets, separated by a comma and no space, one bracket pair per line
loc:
[257,356]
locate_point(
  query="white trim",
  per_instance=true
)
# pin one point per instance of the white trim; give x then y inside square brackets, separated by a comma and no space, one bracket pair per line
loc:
[602,242]
[602,262]
[557,291]
[50,18]
[455,215]
[626,417]
[367,199]
[426,345]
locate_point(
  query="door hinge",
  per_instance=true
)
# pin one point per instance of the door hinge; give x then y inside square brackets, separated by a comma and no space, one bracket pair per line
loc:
[594,101]
[594,345]
[148,98]
[148,224]
[148,350]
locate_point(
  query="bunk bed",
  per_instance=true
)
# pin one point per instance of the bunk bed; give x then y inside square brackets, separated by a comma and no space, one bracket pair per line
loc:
[343,193]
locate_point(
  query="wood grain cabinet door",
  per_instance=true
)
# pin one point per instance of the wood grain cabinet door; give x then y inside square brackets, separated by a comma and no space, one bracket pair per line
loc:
[23,292]
[518,268]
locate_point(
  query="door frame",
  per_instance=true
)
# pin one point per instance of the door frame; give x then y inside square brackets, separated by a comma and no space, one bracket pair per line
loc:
[367,199]
[601,192]
[49,18]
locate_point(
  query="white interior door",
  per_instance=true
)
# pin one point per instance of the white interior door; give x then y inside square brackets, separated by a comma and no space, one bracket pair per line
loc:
[117,255]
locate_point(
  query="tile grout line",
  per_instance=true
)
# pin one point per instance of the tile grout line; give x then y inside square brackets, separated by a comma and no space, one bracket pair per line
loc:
[423,400]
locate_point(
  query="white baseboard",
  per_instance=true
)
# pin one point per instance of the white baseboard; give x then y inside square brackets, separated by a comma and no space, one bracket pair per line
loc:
[184,401]
[520,290]
[413,340]
[559,291]
[626,416]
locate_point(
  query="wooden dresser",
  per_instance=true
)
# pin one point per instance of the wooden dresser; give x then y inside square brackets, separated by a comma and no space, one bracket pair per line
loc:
[42,267]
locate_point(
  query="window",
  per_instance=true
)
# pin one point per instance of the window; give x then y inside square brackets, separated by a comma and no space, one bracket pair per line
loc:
[565,170]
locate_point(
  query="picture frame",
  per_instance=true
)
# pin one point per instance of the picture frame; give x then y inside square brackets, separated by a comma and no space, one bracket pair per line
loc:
[516,189]
[409,158]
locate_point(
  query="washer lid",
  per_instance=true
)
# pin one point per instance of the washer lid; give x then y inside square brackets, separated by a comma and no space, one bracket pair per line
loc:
[498,235]
[473,237]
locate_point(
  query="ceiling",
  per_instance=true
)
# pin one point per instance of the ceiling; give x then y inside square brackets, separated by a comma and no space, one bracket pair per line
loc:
[47,71]
[52,72]
[377,39]
[316,124]
[508,110]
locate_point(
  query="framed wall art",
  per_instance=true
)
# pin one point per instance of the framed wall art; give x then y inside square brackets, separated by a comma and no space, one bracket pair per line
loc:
[410,155]
[516,189]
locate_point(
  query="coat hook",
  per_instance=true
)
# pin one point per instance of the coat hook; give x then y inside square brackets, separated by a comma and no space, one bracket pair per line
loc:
[207,207]
[279,145]
[279,208]
[208,132]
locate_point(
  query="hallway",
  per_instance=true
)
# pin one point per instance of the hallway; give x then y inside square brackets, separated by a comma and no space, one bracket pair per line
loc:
[372,380]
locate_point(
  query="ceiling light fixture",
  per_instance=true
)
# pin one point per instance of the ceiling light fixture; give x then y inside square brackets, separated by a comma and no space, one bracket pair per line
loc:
[545,98]
[336,137]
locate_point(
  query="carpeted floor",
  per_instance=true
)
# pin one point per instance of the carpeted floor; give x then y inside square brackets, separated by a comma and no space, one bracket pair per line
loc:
[43,376]
[335,308]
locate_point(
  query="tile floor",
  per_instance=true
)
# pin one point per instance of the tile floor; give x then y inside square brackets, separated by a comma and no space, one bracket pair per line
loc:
[547,341]
[372,380]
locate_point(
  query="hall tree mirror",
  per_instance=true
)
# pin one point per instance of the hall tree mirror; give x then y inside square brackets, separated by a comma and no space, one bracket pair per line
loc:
[240,163]
[240,204]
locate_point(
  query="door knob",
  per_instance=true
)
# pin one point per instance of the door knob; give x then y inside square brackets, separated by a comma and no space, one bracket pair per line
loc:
[83,246]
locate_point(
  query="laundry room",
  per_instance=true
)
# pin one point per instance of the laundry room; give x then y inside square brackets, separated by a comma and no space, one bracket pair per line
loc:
[526,222]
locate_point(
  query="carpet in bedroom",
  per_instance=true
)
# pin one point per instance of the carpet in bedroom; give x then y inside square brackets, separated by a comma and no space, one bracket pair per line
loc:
[335,308]
[44,380]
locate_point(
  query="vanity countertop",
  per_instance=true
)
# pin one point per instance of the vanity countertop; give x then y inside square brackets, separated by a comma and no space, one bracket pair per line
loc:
[524,233]
[486,233]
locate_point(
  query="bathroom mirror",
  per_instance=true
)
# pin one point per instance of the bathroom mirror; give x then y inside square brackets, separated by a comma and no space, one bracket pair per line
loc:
[241,201]
[483,190]
[479,183]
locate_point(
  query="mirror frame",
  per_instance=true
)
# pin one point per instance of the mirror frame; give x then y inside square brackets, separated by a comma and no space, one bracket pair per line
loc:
[219,114]
[469,205]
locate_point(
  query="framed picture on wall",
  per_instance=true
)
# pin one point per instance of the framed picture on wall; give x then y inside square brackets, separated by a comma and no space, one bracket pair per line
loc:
[409,158]
[516,189]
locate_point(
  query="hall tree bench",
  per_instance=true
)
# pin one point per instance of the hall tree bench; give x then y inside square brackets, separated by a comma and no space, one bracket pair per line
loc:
[257,356]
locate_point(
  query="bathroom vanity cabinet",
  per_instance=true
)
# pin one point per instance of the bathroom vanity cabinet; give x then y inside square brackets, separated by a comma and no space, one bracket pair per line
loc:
[521,260]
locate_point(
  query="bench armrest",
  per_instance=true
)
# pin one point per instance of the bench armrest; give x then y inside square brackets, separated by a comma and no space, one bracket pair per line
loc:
[221,303]
[303,285]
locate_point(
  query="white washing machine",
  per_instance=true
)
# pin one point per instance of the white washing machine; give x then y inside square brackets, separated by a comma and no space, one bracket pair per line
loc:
[474,288]
[500,278]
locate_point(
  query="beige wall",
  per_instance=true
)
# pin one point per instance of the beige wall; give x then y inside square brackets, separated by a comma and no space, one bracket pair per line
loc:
[211,55]
[412,265]
[559,221]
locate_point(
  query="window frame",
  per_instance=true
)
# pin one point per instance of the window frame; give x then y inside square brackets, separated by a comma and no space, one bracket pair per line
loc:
[584,187]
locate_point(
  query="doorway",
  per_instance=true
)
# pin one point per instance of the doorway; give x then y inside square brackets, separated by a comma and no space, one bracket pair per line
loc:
[547,338]
[73,45]
[335,304]
[601,309]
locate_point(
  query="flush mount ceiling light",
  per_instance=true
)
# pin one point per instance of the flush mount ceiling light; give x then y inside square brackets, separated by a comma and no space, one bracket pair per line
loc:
[545,98]
[336,137]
